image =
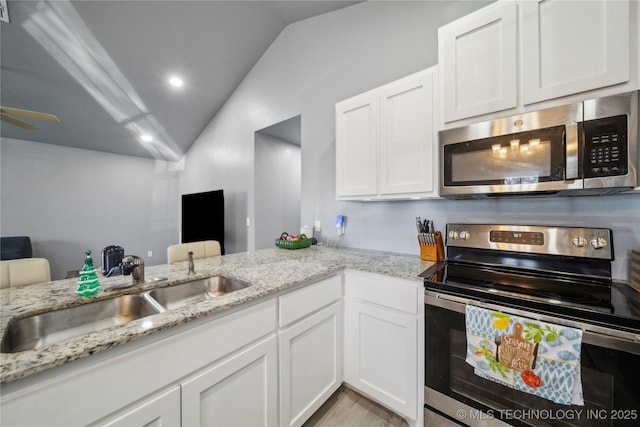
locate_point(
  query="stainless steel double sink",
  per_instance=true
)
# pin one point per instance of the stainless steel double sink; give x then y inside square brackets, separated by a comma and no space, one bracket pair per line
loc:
[41,330]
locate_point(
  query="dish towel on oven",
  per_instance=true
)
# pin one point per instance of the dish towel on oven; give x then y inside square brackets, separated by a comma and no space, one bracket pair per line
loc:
[528,355]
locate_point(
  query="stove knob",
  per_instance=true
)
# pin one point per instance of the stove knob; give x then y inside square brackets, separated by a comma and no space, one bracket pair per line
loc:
[453,234]
[598,243]
[579,242]
[465,235]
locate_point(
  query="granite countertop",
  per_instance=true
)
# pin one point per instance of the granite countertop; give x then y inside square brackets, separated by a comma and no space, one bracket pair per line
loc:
[267,271]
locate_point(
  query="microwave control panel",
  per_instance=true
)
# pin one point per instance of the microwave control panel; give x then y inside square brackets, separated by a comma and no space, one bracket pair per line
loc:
[605,143]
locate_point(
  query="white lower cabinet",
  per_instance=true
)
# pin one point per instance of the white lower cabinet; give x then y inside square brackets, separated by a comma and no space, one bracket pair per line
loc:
[310,364]
[271,363]
[161,410]
[239,391]
[382,339]
[382,355]
[311,343]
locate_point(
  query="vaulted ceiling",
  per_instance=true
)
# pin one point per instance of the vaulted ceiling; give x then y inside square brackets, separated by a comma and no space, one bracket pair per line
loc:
[102,67]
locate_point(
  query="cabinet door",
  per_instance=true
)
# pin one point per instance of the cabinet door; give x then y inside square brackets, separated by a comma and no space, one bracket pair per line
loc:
[406,135]
[382,354]
[240,391]
[573,46]
[477,55]
[163,410]
[310,364]
[357,146]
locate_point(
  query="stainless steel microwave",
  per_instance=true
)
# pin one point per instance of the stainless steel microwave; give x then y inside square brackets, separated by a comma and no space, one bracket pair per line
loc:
[587,148]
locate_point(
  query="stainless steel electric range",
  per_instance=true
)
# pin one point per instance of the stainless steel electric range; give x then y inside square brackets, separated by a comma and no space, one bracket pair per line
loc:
[559,275]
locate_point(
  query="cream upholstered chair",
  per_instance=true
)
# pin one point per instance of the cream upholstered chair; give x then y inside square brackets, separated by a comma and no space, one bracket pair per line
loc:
[24,271]
[204,249]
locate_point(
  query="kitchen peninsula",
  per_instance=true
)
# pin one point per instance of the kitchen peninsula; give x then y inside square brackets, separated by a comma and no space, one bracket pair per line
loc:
[277,279]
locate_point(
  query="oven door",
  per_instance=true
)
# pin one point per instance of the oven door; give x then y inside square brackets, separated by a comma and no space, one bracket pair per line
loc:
[610,387]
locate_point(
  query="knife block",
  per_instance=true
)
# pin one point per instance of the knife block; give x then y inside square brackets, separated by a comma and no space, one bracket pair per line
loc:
[432,252]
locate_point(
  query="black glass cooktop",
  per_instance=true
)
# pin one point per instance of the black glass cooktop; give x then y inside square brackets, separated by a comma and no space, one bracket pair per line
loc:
[578,297]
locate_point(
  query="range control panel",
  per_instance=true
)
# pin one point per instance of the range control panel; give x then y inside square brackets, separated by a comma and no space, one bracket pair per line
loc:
[550,240]
[518,237]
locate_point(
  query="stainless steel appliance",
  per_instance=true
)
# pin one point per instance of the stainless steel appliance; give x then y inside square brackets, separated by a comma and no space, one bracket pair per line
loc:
[588,147]
[559,275]
[111,259]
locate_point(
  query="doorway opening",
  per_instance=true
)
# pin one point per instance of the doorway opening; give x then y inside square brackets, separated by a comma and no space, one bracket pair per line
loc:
[277,181]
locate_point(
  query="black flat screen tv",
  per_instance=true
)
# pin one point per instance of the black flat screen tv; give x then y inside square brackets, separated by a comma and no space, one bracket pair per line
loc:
[203,217]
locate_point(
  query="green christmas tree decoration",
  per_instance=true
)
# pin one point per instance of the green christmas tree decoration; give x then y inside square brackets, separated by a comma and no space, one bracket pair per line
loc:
[88,284]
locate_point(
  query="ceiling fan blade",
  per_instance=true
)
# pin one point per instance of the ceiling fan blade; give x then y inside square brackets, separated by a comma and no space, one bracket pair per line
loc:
[28,113]
[16,122]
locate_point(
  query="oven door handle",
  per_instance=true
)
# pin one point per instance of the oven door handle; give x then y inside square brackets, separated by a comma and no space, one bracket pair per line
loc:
[591,334]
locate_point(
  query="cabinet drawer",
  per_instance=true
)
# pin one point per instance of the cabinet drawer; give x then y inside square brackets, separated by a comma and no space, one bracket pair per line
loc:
[304,301]
[386,291]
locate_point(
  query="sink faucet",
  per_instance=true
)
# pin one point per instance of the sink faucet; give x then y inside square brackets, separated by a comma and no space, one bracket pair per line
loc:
[133,265]
[191,265]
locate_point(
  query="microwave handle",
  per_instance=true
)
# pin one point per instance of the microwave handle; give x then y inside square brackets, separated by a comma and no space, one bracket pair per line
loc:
[571,151]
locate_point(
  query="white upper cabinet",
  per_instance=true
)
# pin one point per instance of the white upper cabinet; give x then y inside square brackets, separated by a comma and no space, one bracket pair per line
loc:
[573,46]
[385,141]
[478,56]
[357,146]
[513,54]
[406,136]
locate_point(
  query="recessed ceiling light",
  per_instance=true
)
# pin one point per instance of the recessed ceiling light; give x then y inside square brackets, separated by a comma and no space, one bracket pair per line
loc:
[176,81]
[146,138]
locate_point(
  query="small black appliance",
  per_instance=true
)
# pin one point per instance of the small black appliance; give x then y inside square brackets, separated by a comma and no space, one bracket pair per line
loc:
[111,257]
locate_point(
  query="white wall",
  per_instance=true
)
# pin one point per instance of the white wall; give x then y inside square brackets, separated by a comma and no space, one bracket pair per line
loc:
[277,189]
[310,66]
[71,200]
[68,200]
[315,63]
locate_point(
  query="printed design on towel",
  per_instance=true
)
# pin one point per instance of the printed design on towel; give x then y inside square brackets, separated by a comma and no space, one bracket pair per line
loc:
[528,355]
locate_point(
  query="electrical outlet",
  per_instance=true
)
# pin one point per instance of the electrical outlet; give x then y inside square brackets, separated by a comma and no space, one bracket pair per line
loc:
[248,222]
[317,226]
[150,254]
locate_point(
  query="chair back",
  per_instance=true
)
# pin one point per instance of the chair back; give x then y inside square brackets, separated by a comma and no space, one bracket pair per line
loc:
[24,271]
[15,247]
[204,249]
